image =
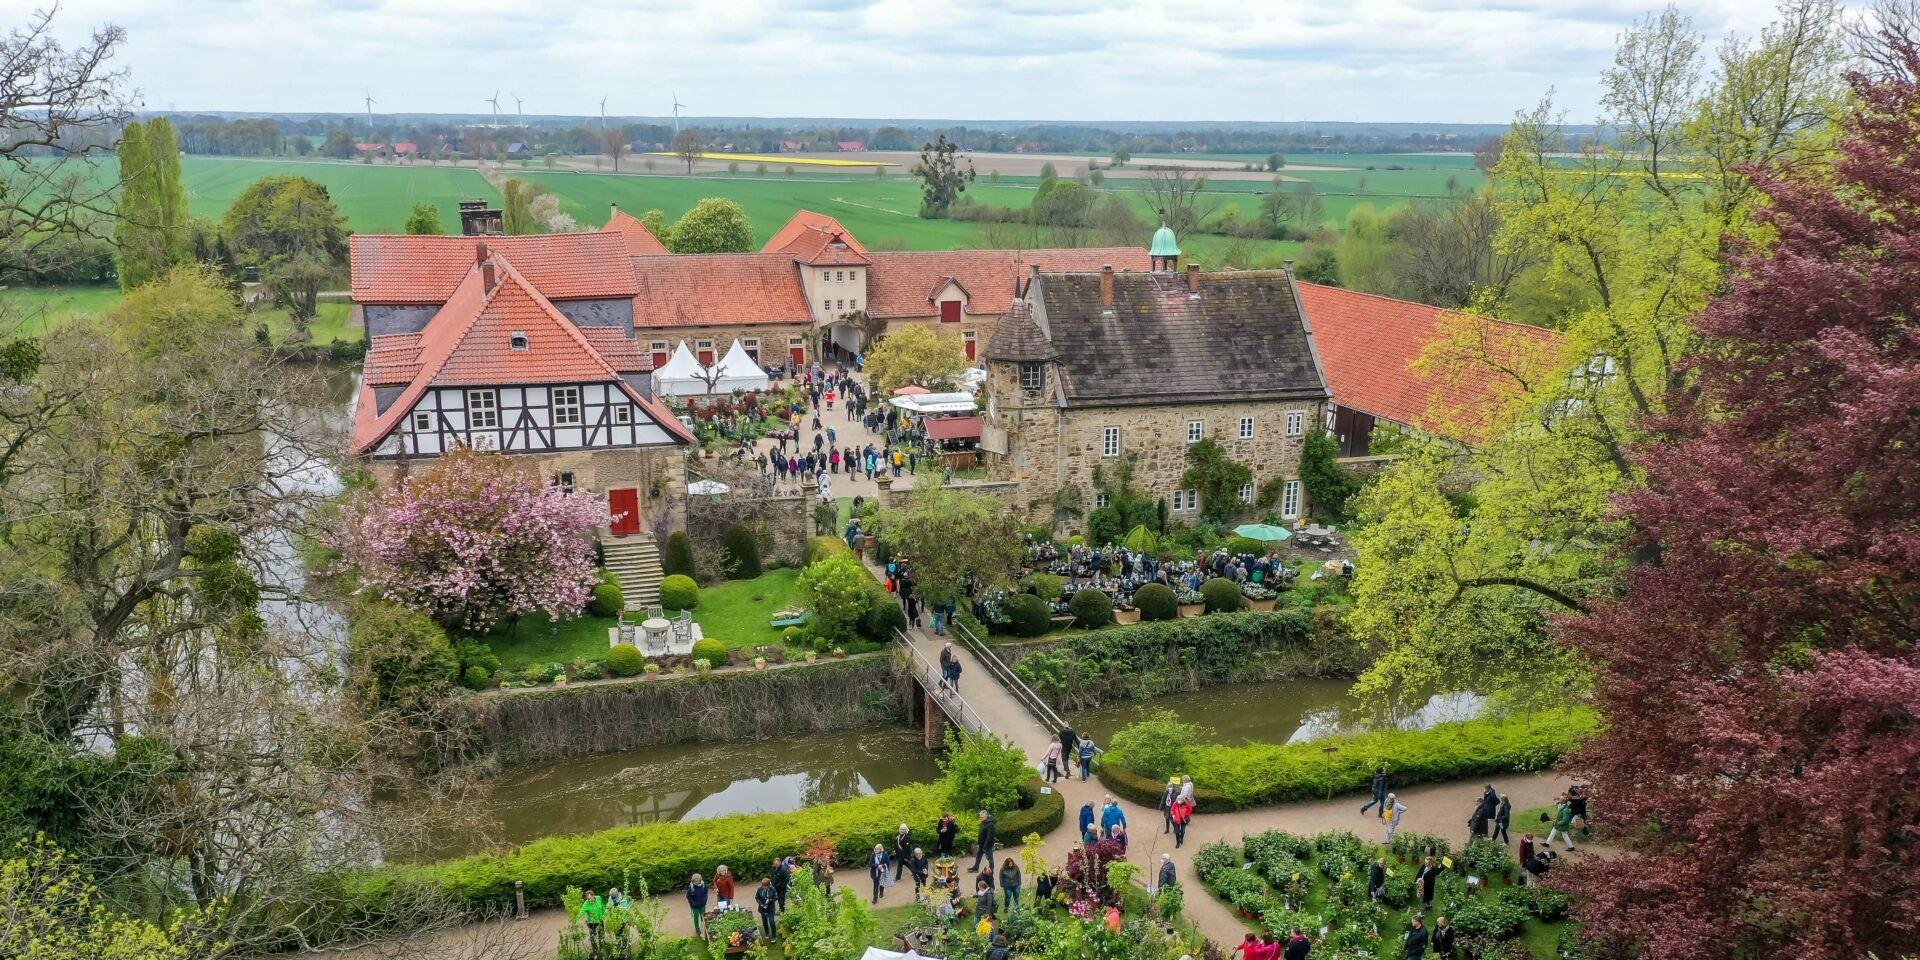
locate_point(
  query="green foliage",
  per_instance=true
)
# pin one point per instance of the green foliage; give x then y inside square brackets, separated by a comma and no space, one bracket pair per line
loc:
[1091,608]
[1027,615]
[740,553]
[714,225]
[607,600]
[475,653]
[1155,747]
[958,541]
[1222,595]
[1241,776]
[1217,477]
[817,924]
[396,655]
[1486,858]
[56,912]
[290,229]
[883,616]
[1214,859]
[821,547]
[1543,903]
[984,772]
[711,650]
[1156,602]
[1273,843]
[1132,661]
[677,558]
[423,221]
[475,678]
[1496,918]
[625,660]
[915,355]
[150,233]
[942,178]
[1127,505]
[1238,545]
[1046,586]
[679,592]
[839,591]
[1329,485]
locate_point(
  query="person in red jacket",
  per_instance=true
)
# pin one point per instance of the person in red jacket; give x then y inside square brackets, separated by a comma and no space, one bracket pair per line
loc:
[1182,814]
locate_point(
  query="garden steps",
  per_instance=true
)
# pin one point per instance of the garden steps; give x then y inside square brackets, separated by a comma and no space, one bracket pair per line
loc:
[635,562]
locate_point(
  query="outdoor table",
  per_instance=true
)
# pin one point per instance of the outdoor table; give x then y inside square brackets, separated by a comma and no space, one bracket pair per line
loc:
[656,629]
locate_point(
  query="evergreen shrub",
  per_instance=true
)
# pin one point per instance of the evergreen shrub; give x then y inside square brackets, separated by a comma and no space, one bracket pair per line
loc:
[677,558]
[607,600]
[1156,602]
[1028,615]
[710,650]
[740,554]
[625,660]
[679,592]
[1091,608]
[1222,595]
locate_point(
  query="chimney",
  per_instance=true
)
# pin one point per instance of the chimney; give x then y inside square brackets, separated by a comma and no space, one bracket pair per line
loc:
[1193,279]
[613,210]
[483,257]
[1106,287]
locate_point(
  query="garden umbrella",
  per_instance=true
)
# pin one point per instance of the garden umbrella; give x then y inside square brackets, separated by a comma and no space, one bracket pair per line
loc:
[1262,531]
[910,391]
[1141,539]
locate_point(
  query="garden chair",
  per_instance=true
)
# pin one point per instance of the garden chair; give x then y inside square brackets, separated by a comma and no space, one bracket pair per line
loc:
[656,613]
[683,628]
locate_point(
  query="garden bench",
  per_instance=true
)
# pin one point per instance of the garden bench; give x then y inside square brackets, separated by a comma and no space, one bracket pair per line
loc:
[794,621]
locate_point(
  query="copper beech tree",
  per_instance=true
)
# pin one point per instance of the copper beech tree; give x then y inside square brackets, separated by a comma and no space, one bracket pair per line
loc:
[1760,678]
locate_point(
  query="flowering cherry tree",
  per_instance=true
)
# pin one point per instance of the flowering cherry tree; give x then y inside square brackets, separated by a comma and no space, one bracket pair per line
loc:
[474,541]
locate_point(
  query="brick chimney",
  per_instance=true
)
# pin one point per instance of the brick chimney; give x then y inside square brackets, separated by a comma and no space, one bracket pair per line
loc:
[1106,287]
[1193,279]
[483,256]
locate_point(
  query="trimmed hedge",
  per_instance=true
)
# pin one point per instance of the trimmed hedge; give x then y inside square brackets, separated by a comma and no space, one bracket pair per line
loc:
[1091,608]
[677,558]
[679,592]
[1222,595]
[821,547]
[712,650]
[625,660]
[607,600]
[740,553]
[1028,615]
[665,854]
[1156,601]
[1231,778]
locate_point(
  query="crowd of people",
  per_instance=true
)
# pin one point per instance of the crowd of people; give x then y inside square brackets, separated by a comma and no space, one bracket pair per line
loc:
[798,465]
[1120,570]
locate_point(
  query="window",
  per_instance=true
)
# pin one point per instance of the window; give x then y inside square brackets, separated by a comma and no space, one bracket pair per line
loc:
[518,341]
[1246,493]
[1185,500]
[1296,422]
[855,303]
[623,414]
[1100,500]
[1196,431]
[1329,424]
[565,480]
[826,305]
[566,406]
[422,421]
[1032,376]
[949,311]
[1110,442]
[483,409]
[752,347]
[1246,428]
[1290,500]
[839,304]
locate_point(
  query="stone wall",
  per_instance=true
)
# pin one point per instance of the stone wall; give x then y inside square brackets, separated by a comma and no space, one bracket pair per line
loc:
[773,338]
[658,473]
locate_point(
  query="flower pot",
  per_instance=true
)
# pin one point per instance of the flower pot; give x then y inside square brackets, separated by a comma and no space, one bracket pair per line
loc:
[759,664]
[1192,609]
[1126,616]
[560,681]
[811,656]
[1262,605]
[868,540]
[839,654]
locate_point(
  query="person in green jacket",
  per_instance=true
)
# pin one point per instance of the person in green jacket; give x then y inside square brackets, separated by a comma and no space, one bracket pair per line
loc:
[1562,823]
[594,911]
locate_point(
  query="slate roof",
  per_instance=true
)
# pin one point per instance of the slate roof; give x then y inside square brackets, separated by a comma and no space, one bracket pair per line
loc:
[1369,346]
[1017,338]
[901,284]
[400,269]
[1240,339]
[718,288]
[640,240]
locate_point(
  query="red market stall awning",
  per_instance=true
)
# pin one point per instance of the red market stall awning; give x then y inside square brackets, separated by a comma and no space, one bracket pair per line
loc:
[953,428]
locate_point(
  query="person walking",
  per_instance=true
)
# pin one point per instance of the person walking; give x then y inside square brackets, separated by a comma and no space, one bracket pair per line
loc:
[697,901]
[1525,853]
[1068,741]
[767,901]
[782,879]
[945,835]
[619,916]
[1426,880]
[593,912]
[1443,938]
[723,886]
[1562,824]
[1502,815]
[1009,884]
[877,869]
[1392,813]
[902,850]
[1111,815]
[1118,834]
[1186,788]
[985,904]
[1086,819]
[917,866]
[953,669]
[1167,877]
[1086,758]
[984,840]
[1182,815]
[1298,946]
[1414,946]
[1053,761]
[1167,795]
[1379,790]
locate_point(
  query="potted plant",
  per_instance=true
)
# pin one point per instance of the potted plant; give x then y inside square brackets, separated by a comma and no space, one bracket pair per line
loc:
[703,665]
[734,931]
[651,669]
[839,653]
[1258,596]
[759,663]
[1190,602]
[812,655]
[1127,614]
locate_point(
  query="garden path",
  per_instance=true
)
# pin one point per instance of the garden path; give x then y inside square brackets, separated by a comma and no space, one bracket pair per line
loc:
[847,433]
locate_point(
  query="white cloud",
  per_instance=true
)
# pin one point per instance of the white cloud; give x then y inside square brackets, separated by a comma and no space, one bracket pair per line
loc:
[1382,60]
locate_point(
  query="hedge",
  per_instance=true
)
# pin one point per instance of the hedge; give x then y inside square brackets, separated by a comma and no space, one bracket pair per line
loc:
[1222,595]
[1091,608]
[740,553]
[665,854]
[821,547]
[679,592]
[1156,602]
[1028,615]
[1231,778]
[677,558]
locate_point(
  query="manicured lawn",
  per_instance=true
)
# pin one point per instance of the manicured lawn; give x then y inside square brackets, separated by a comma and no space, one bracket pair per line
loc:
[728,612]
[33,310]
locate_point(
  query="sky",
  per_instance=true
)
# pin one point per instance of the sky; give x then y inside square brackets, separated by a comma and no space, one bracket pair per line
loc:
[1433,61]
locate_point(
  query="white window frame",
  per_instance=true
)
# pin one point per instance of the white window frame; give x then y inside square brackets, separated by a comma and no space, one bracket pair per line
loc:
[518,341]
[422,421]
[1290,500]
[564,480]
[1246,492]
[623,413]
[1296,422]
[1246,428]
[483,409]
[1186,501]
[1196,431]
[1100,500]
[568,411]
[1110,442]
[1038,380]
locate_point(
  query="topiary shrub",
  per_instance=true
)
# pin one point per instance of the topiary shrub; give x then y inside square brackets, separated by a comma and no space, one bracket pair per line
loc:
[679,592]
[1091,608]
[1239,545]
[677,559]
[1222,595]
[625,660]
[793,636]
[882,618]
[1047,585]
[710,650]
[475,678]
[1156,602]
[822,547]
[1028,615]
[740,554]
[607,600]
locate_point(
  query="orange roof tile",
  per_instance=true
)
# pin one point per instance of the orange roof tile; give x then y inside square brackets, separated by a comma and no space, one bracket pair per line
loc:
[801,223]
[825,248]
[392,359]
[1369,346]
[902,284]
[718,288]
[640,240]
[389,268]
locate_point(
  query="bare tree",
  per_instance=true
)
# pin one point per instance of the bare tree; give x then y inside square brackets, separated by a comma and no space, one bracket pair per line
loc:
[689,145]
[613,143]
[1178,194]
[1876,36]
[1444,252]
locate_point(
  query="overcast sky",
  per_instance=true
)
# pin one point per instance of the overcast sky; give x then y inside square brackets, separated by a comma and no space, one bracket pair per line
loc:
[1474,61]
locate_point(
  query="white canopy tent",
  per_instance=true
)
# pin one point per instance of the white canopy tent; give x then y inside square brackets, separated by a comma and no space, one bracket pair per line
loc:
[934,403]
[683,376]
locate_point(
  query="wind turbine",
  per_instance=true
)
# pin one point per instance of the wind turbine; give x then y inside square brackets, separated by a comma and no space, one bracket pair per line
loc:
[370,103]
[495,100]
[676,112]
[520,117]
[603,114]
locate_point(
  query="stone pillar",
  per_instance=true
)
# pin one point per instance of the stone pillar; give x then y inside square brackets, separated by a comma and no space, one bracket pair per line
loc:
[933,725]
[883,487]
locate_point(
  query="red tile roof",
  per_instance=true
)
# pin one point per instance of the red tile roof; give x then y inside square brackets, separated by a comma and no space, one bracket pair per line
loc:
[392,359]
[825,248]
[901,284]
[640,240]
[390,268]
[718,288]
[1370,345]
[469,343]
[806,221]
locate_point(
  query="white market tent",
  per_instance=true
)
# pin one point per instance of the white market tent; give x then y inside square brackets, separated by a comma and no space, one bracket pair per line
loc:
[935,403]
[683,376]
[875,953]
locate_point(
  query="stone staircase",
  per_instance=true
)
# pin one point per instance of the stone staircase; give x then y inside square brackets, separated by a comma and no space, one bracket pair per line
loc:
[635,562]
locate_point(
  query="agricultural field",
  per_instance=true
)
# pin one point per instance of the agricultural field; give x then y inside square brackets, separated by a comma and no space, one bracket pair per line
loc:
[31,311]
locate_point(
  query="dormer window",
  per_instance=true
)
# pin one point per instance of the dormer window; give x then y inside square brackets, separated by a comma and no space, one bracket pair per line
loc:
[518,340]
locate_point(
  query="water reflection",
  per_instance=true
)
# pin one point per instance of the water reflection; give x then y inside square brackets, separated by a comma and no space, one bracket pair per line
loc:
[1293,711]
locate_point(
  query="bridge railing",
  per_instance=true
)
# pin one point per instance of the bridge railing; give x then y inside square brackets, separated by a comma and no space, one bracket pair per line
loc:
[928,673]
[1050,720]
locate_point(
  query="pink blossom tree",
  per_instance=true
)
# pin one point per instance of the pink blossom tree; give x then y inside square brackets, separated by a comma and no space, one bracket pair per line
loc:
[473,541]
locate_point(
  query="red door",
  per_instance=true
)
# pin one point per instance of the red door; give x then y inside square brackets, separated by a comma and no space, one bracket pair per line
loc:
[706,358]
[949,311]
[623,506]
[969,347]
[659,359]
[797,355]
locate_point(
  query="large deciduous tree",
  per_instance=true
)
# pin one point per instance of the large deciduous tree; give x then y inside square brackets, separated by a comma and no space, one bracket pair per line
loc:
[152,233]
[1761,682]
[290,229]
[474,541]
[957,542]
[714,225]
[914,355]
[942,178]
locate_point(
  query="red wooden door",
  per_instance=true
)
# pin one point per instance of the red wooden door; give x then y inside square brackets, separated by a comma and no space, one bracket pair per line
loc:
[798,355]
[659,359]
[623,506]
[705,358]
[969,348]
[949,311]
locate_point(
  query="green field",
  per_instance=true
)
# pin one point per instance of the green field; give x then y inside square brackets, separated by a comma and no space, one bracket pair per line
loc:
[33,310]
